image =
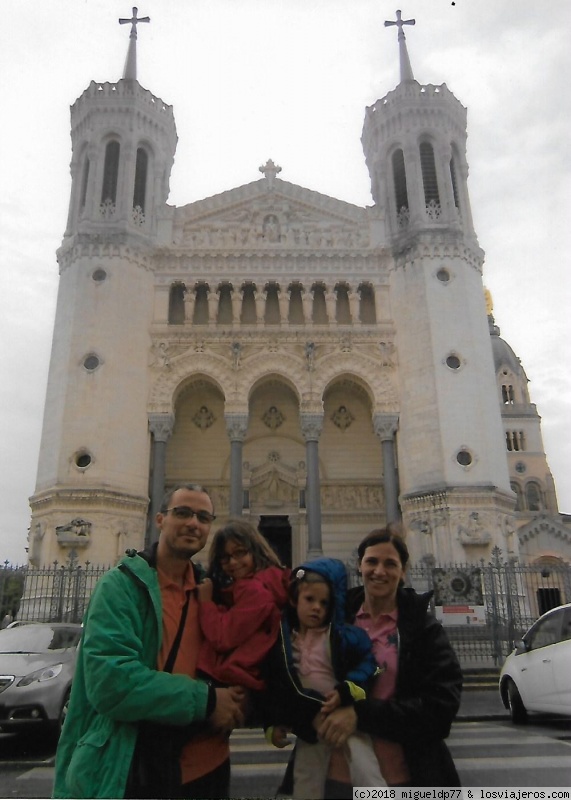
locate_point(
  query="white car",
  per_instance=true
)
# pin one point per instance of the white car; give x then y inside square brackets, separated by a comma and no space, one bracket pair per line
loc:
[537,675]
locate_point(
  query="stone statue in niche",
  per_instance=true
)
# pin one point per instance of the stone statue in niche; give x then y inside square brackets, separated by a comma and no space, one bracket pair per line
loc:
[271,228]
[474,533]
[76,533]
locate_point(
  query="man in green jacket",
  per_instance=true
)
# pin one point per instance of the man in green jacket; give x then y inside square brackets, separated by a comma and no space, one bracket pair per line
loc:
[131,628]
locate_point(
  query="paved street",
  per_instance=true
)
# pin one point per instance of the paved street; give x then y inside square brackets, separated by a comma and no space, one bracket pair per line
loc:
[487,748]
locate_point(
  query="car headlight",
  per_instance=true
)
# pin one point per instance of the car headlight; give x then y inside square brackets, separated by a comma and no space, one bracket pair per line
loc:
[43,674]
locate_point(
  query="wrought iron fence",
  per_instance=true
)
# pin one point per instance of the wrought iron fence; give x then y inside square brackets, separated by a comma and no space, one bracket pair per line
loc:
[484,607]
[54,593]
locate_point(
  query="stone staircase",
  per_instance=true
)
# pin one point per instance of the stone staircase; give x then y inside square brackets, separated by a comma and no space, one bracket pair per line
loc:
[481,678]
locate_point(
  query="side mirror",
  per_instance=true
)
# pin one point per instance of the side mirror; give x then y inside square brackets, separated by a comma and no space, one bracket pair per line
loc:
[521,646]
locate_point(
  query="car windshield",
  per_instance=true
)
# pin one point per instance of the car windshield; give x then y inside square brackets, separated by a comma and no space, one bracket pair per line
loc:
[38,638]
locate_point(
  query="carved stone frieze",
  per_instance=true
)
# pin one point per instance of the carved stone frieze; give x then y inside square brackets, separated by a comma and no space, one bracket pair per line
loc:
[352,497]
[76,533]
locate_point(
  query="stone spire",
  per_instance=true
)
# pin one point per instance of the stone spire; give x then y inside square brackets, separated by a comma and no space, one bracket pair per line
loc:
[405,67]
[130,71]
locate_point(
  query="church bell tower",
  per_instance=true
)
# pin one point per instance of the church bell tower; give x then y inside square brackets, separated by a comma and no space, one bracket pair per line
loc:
[454,485]
[93,473]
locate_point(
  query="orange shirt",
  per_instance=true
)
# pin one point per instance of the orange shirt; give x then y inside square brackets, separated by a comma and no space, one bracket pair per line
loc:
[205,751]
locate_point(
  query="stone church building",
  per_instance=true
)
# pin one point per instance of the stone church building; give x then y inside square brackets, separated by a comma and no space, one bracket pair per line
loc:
[320,367]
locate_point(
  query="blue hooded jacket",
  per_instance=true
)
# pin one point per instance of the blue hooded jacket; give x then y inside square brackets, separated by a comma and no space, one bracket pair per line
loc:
[352,660]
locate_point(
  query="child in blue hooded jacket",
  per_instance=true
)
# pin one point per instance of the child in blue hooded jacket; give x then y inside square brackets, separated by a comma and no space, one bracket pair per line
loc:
[319,663]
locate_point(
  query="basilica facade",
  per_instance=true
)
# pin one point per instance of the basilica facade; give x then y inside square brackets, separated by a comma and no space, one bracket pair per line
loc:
[321,368]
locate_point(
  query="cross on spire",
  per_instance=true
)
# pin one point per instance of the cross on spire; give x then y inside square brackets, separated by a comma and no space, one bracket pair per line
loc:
[135,21]
[130,71]
[270,171]
[405,67]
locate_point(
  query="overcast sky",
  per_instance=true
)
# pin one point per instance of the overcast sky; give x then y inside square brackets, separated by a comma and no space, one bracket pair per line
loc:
[289,80]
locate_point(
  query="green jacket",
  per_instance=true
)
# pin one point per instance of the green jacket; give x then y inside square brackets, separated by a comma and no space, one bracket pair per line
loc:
[117,683]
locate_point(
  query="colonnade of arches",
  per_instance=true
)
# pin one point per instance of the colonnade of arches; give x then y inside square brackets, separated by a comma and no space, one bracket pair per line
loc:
[203,417]
[272,303]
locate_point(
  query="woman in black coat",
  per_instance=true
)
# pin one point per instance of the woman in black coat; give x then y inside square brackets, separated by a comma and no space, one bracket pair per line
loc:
[410,716]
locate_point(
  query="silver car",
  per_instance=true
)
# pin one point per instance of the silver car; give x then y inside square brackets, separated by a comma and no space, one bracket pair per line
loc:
[37,662]
[537,675]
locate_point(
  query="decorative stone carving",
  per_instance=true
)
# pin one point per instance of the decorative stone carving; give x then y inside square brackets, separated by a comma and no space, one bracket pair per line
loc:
[342,418]
[76,533]
[311,426]
[473,532]
[236,426]
[343,498]
[35,538]
[273,418]
[385,426]
[388,353]
[457,587]
[161,426]
[204,418]
[160,354]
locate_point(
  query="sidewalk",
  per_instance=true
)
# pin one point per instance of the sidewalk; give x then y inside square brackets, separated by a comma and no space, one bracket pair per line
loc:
[481,704]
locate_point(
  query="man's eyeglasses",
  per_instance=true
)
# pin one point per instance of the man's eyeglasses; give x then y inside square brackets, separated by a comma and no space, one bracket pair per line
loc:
[237,555]
[186,512]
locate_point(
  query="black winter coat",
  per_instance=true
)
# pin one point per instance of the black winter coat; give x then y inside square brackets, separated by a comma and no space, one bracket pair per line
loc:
[427,694]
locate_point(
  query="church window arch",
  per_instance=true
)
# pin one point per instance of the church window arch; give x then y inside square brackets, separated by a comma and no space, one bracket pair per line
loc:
[454,181]
[110,173]
[367,306]
[295,316]
[319,305]
[508,396]
[343,314]
[429,179]
[272,309]
[201,305]
[534,497]
[515,441]
[140,185]
[225,315]
[517,490]
[176,304]
[84,183]
[400,187]
[248,316]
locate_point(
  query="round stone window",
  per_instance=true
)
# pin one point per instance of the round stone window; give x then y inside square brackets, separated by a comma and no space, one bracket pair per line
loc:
[99,275]
[443,275]
[91,362]
[464,458]
[82,460]
[453,362]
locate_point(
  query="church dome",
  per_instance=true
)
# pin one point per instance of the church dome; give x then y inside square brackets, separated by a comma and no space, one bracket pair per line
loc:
[504,356]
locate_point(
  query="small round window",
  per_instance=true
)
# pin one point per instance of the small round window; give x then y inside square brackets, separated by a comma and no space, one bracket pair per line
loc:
[464,458]
[443,275]
[99,275]
[91,362]
[82,460]
[453,361]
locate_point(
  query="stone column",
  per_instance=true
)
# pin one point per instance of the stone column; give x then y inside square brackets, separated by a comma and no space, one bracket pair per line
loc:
[385,426]
[161,426]
[311,427]
[236,427]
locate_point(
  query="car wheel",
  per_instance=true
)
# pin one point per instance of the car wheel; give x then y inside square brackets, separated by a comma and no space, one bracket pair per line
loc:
[516,707]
